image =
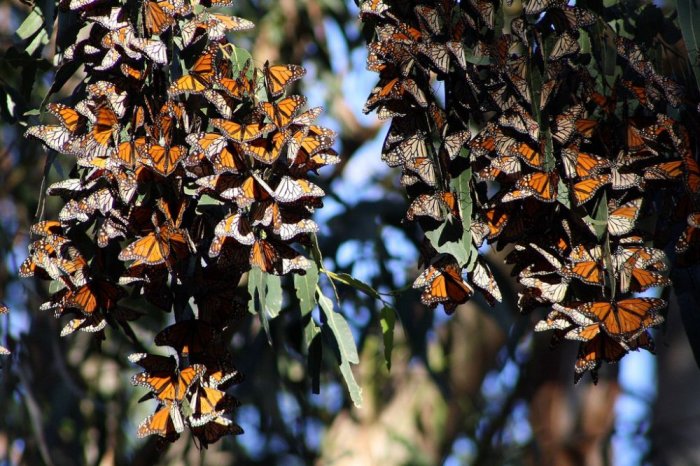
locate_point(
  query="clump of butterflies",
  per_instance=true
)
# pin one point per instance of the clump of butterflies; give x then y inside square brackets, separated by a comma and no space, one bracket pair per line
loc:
[516,129]
[191,168]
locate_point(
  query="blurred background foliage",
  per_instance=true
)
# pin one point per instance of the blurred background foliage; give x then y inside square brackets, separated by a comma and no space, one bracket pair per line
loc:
[475,388]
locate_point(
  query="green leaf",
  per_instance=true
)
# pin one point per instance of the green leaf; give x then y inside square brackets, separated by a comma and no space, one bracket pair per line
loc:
[600,217]
[689,21]
[305,286]
[387,320]
[256,289]
[31,25]
[273,294]
[454,237]
[346,346]
[311,331]
[563,194]
[354,282]
[39,40]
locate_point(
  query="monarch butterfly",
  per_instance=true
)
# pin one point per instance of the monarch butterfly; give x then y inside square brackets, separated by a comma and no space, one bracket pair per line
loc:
[589,271]
[603,348]
[565,124]
[224,157]
[166,422]
[289,231]
[689,237]
[541,185]
[241,132]
[240,87]
[169,386]
[545,290]
[164,159]
[424,168]
[213,430]
[291,190]
[237,227]
[533,7]
[504,164]
[692,174]
[431,18]
[46,228]
[521,121]
[453,143]
[109,229]
[155,248]
[267,150]
[414,145]
[90,324]
[581,164]
[575,17]
[624,181]
[282,113]
[622,218]
[437,206]
[394,89]
[127,152]
[116,98]
[438,55]
[555,320]
[585,189]
[625,318]
[528,155]
[373,7]
[666,171]
[187,337]
[444,284]
[208,403]
[244,192]
[634,55]
[93,295]
[637,279]
[311,139]
[482,277]
[485,9]
[55,137]
[565,45]
[276,258]
[69,117]
[215,25]
[158,16]
[83,209]
[200,77]
[279,77]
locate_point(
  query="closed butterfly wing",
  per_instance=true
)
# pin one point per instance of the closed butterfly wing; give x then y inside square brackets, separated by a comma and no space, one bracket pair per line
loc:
[584,190]
[622,219]
[165,422]
[279,77]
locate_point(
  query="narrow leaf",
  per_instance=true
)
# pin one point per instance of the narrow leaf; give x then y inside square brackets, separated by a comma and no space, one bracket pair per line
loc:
[305,286]
[355,283]
[387,320]
[31,25]
[256,289]
[273,298]
[346,346]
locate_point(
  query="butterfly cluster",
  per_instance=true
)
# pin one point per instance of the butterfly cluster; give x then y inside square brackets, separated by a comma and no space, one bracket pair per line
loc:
[514,130]
[192,167]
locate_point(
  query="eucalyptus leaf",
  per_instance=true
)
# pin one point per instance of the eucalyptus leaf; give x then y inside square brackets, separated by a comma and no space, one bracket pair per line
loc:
[257,291]
[31,25]
[273,294]
[346,346]
[355,283]
[387,320]
[305,286]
